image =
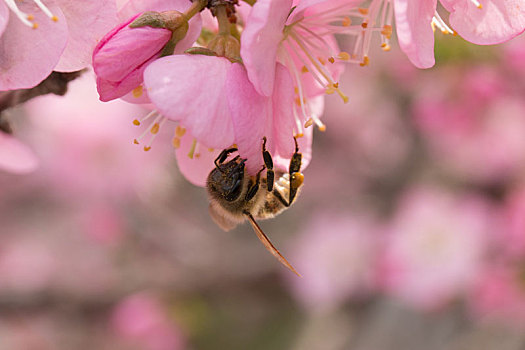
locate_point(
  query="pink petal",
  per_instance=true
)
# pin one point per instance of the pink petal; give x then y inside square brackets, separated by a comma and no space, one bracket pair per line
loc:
[16,157]
[97,15]
[414,32]
[4,16]
[133,7]
[195,169]
[496,22]
[191,89]
[27,56]
[283,118]
[260,40]
[305,148]
[308,7]
[250,112]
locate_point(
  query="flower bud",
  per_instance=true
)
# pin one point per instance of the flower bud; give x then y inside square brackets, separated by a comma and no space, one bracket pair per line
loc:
[121,56]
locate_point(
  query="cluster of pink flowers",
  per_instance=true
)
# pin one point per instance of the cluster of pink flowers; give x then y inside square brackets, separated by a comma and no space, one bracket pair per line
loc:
[269,80]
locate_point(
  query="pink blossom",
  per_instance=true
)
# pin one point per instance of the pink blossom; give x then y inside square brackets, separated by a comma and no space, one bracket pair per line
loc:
[120,58]
[480,22]
[26,265]
[16,157]
[477,135]
[141,320]
[498,295]
[39,38]
[336,256]
[435,247]
[218,106]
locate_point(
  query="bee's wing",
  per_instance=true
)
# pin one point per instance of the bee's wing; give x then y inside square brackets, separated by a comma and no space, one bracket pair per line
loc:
[268,245]
[222,221]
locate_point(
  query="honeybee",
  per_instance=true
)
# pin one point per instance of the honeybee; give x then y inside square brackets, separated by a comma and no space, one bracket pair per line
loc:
[236,196]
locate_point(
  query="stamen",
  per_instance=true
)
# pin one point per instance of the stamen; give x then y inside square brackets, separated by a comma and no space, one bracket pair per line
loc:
[440,23]
[149,115]
[320,69]
[179,131]
[175,142]
[46,10]
[22,16]
[477,4]
[192,149]
[138,91]
[27,19]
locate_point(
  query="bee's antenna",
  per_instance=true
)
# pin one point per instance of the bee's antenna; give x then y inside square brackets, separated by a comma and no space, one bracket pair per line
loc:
[268,245]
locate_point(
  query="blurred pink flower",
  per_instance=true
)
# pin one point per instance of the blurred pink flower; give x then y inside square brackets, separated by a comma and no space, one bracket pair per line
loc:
[86,146]
[59,36]
[435,247]
[337,259]
[473,123]
[511,240]
[480,22]
[141,319]
[26,266]
[15,157]
[120,58]
[499,296]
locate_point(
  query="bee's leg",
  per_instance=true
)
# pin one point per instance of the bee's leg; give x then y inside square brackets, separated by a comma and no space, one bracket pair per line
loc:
[268,163]
[296,178]
[254,187]
[223,155]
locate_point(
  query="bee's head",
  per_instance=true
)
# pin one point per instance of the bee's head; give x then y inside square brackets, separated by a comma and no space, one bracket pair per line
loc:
[226,180]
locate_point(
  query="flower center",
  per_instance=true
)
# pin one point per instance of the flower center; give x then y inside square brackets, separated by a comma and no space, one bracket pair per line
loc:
[27,18]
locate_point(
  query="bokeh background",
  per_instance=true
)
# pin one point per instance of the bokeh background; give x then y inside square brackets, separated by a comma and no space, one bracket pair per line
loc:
[409,232]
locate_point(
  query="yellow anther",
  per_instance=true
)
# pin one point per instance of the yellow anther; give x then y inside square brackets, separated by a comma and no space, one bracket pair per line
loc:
[147,148]
[387,31]
[385,47]
[304,69]
[346,22]
[320,59]
[480,6]
[54,19]
[296,89]
[335,85]
[363,11]
[30,17]
[322,128]
[35,25]
[364,25]
[137,92]
[344,56]
[298,136]
[366,61]
[331,59]
[175,142]
[211,149]
[135,141]
[329,90]
[155,128]
[454,33]
[197,155]
[136,122]
[179,131]
[309,123]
